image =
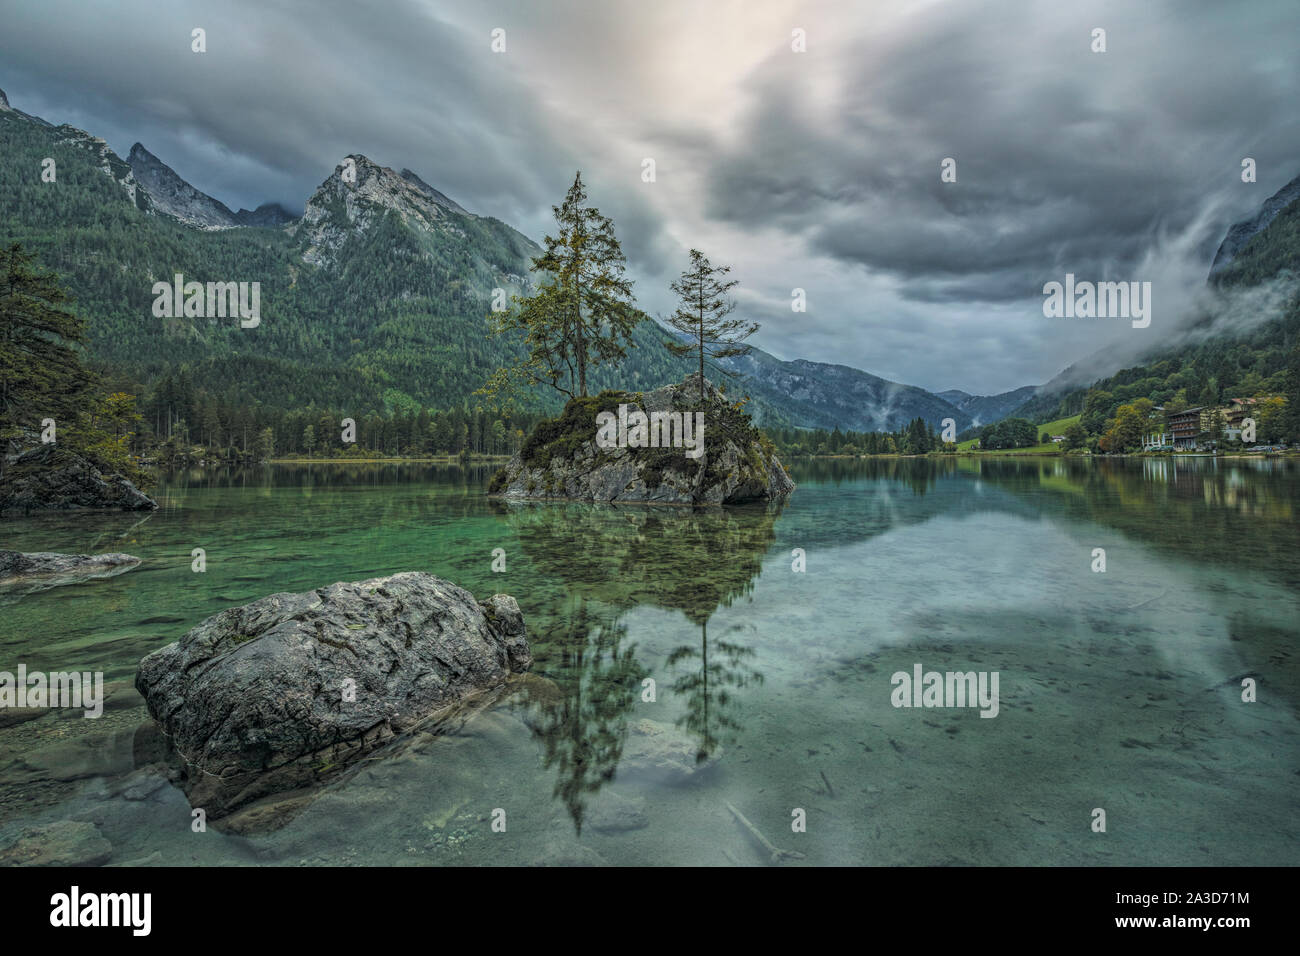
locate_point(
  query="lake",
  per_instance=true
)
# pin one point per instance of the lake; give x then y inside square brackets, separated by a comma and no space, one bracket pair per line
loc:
[684,667]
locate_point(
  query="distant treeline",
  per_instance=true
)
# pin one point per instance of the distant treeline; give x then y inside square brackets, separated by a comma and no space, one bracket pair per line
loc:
[180,423]
[917,438]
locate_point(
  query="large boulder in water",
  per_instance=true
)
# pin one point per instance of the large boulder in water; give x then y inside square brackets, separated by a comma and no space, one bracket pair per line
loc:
[721,459]
[48,478]
[281,693]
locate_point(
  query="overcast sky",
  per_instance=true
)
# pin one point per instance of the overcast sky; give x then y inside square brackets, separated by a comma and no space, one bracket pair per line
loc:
[818,170]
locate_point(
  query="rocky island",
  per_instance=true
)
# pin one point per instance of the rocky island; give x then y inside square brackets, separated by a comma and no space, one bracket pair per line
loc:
[660,447]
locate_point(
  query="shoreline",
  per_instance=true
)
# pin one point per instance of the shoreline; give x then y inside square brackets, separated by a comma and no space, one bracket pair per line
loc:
[1295,453]
[441,459]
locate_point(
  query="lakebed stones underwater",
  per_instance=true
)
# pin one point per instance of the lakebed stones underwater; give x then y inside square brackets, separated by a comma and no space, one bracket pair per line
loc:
[285,693]
[664,447]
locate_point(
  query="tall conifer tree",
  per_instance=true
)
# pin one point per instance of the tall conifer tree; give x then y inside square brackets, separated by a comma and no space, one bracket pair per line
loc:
[702,291]
[583,315]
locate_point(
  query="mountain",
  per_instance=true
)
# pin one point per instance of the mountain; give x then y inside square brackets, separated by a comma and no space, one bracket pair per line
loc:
[375,298]
[175,197]
[820,395]
[984,409]
[269,214]
[955,396]
[360,196]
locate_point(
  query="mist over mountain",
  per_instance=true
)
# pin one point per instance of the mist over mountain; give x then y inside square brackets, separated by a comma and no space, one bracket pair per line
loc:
[820,395]
[1242,232]
[1245,327]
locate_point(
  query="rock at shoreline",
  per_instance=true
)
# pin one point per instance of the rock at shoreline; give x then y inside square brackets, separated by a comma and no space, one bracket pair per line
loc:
[284,692]
[561,459]
[39,570]
[48,478]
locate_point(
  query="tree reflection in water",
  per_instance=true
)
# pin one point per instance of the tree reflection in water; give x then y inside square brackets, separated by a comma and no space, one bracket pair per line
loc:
[604,562]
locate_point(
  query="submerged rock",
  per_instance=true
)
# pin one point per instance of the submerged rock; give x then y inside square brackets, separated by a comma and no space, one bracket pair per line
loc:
[64,843]
[562,851]
[611,812]
[717,457]
[284,692]
[665,754]
[38,570]
[82,757]
[48,478]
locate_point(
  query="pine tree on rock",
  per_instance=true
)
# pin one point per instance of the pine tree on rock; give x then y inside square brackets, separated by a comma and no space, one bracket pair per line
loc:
[583,315]
[702,314]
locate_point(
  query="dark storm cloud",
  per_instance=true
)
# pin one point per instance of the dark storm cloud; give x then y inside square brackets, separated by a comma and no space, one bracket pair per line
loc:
[284,90]
[1066,158]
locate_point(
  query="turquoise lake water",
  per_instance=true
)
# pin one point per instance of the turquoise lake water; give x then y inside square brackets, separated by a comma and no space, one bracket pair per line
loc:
[1119,690]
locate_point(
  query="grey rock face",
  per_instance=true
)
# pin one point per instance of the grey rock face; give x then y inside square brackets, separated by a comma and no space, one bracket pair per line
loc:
[39,570]
[173,195]
[278,694]
[47,478]
[348,204]
[737,464]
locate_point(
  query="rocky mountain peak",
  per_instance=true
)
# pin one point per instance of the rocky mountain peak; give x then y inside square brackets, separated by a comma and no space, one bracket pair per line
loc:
[4,102]
[359,193]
